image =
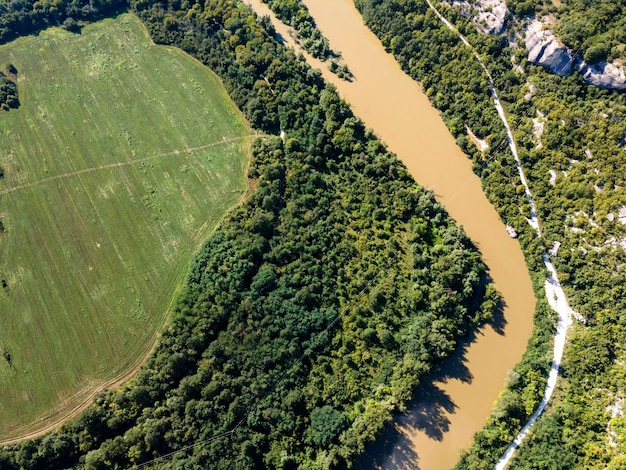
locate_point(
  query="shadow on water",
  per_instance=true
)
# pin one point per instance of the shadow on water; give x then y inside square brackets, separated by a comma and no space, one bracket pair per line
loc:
[498,322]
[392,450]
[427,412]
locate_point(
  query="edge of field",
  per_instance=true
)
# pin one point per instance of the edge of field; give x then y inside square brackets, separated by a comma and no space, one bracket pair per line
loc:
[73,406]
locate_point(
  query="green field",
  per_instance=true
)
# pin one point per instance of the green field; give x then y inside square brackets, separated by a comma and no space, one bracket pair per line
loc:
[120,160]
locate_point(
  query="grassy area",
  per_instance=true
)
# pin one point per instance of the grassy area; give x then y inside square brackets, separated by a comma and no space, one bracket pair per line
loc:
[121,158]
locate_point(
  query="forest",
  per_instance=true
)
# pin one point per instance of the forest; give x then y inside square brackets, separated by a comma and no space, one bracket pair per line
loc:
[266,257]
[295,14]
[571,142]
[312,312]
[19,18]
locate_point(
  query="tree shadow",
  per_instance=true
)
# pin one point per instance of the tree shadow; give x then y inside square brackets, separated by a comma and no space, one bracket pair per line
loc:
[427,412]
[393,450]
[430,408]
[498,321]
[280,38]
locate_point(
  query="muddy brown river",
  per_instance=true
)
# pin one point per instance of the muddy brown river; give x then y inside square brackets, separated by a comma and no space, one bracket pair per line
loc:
[456,402]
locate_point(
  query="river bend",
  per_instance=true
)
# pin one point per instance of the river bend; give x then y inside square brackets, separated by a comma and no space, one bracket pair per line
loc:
[554,291]
[447,412]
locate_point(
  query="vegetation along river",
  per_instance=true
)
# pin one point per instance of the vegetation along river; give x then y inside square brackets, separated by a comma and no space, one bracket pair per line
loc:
[446,413]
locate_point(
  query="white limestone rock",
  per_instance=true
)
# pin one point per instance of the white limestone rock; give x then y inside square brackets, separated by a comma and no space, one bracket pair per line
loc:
[532,90]
[489,15]
[604,75]
[539,124]
[546,50]
[554,251]
[621,215]
[553,176]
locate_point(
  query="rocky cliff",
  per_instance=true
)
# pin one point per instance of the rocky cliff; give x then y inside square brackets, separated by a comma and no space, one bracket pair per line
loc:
[543,46]
[604,75]
[545,49]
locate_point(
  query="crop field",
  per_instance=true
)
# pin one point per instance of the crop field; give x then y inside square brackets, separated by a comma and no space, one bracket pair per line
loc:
[122,157]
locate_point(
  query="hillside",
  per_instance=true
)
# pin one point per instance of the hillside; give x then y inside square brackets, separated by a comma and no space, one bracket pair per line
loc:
[594,29]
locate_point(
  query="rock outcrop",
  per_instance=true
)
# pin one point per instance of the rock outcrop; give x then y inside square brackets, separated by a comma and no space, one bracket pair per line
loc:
[545,49]
[489,15]
[604,75]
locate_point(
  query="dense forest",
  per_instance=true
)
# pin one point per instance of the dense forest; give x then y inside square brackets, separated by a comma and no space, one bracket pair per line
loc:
[315,309]
[304,251]
[571,142]
[594,28]
[18,18]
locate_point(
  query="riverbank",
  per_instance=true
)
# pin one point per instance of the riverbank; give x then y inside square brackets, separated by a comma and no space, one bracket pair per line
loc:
[394,106]
[557,299]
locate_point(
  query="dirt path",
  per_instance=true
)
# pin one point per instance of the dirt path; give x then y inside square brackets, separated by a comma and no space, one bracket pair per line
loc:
[128,162]
[73,406]
[554,292]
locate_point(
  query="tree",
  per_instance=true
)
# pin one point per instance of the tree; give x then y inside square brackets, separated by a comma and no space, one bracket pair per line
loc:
[326,424]
[71,25]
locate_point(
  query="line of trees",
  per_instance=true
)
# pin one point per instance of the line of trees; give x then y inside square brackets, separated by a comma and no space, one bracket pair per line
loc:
[8,91]
[296,14]
[18,18]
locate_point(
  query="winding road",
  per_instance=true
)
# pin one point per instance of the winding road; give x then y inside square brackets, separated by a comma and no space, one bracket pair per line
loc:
[554,292]
[328,14]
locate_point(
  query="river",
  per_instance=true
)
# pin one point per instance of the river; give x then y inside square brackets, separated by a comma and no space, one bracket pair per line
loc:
[456,403]
[554,291]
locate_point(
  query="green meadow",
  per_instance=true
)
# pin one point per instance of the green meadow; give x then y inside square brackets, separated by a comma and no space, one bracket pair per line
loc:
[122,157]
